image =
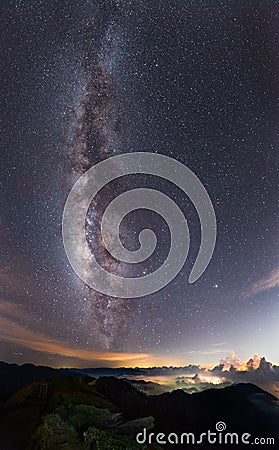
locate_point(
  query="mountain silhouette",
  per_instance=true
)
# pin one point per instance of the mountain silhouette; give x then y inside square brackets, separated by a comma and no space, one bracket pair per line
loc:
[243,407]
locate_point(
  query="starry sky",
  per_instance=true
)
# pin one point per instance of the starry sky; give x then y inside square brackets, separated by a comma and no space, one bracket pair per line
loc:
[195,80]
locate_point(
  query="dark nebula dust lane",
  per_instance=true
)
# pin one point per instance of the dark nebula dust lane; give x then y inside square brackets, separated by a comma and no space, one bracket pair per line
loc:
[84,81]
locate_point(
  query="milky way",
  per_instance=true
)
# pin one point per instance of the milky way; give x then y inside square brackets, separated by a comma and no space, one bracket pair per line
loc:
[96,135]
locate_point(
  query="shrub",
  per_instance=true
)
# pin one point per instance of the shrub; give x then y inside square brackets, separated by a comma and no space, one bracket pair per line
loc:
[85,416]
[100,440]
[48,434]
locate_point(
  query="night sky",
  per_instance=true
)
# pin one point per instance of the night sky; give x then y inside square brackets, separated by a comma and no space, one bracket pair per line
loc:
[85,80]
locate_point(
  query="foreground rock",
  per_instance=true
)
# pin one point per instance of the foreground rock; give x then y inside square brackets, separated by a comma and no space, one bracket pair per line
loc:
[135,426]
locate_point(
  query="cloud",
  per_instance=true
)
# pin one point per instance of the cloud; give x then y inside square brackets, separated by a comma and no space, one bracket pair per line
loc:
[13,311]
[266,283]
[253,363]
[231,370]
[213,352]
[12,331]
[232,360]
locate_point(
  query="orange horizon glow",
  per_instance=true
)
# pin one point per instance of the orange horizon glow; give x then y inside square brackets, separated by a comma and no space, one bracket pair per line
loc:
[71,356]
